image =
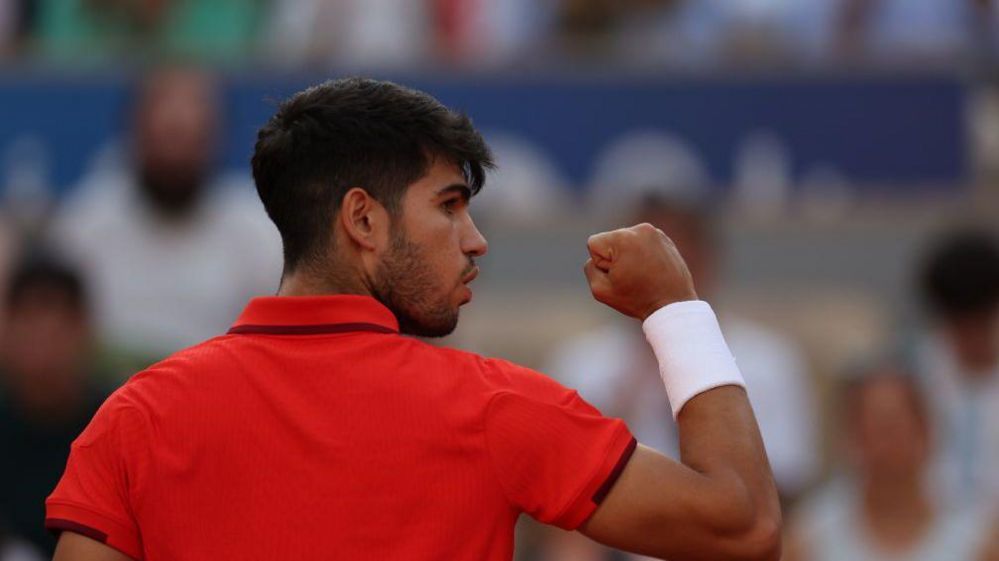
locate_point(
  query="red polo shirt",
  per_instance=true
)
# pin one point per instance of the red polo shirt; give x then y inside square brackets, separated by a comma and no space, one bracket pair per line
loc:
[313,430]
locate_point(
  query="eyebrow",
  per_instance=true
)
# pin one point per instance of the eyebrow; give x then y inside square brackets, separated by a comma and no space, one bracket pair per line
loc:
[459,188]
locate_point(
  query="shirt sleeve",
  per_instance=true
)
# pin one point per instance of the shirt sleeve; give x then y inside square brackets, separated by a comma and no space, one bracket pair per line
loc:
[556,456]
[94,496]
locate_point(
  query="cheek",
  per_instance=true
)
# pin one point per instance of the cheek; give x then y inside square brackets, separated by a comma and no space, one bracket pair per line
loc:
[445,239]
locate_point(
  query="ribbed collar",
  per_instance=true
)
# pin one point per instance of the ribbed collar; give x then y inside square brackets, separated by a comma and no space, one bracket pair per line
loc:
[312,315]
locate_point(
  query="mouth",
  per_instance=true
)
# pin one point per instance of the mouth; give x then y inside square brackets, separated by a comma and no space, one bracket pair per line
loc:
[466,296]
[470,275]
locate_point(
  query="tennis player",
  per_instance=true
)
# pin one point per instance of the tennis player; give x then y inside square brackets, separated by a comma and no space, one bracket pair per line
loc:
[318,428]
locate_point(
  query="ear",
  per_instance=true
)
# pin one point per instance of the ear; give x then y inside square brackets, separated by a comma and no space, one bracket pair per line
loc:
[364,220]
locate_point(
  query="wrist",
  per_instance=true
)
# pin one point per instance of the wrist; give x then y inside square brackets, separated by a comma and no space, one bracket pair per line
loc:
[666,301]
[692,354]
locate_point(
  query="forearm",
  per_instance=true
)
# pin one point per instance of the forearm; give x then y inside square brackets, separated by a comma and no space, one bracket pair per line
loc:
[719,439]
[721,502]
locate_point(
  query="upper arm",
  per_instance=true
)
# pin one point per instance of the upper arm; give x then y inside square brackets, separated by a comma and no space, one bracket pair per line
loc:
[105,468]
[553,454]
[76,547]
[554,460]
[662,508]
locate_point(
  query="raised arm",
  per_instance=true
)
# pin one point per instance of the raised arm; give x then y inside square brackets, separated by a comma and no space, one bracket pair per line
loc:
[720,503]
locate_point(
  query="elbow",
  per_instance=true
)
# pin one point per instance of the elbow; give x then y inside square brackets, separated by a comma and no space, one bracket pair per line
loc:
[756,527]
[762,542]
[753,532]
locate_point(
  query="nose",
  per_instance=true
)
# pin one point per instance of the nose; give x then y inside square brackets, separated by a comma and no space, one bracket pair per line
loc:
[474,244]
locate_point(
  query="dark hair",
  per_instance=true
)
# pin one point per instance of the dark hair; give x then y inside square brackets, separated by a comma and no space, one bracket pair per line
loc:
[354,132]
[48,273]
[961,275]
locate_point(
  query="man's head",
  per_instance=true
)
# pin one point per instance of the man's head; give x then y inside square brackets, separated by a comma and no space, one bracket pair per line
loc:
[46,335]
[176,124]
[960,285]
[368,183]
[689,225]
[887,425]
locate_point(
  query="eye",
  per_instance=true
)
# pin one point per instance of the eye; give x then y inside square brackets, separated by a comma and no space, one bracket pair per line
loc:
[450,205]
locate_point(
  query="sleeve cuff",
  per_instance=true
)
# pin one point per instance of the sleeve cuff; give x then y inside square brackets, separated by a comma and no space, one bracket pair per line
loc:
[60,517]
[586,503]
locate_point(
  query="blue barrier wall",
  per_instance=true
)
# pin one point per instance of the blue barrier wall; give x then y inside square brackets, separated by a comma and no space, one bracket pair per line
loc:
[886,133]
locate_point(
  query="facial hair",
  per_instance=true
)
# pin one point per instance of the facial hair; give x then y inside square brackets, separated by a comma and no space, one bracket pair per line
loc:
[174,193]
[407,287]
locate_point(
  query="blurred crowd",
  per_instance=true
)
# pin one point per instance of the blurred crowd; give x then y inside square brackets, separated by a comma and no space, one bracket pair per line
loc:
[511,33]
[894,456]
[159,251]
[146,257]
[912,473]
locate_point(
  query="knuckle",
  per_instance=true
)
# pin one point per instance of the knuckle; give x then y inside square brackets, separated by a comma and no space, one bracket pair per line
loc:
[645,228]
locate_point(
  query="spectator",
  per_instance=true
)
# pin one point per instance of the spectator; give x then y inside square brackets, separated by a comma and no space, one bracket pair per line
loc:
[173,252]
[383,33]
[77,30]
[958,359]
[885,510]
[614,369]
[916,32]
[15,21]
[47,394]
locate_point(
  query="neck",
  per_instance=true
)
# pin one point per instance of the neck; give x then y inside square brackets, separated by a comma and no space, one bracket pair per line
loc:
[897,514]
[894,496]
[303,282]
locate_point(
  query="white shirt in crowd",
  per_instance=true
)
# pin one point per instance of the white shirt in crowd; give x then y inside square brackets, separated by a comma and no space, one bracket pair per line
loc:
[832,529]
[965,411]
[159,285]
[614,369]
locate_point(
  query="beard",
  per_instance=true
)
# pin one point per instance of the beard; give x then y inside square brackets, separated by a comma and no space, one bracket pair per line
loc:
[174,193]
[407,287]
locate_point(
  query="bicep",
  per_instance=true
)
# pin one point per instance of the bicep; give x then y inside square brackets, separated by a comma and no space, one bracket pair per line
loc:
[663,508]
[77,547]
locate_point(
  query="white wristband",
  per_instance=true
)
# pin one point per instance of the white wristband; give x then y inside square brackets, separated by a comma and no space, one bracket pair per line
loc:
[692,354]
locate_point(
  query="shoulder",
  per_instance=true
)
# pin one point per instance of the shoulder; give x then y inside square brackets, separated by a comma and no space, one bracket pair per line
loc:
[196,365]
[99,202]
[232,197]
[826,509]
[743,332]
[763,353]
[602,343]
[967,526]
[585,361]
[491,376]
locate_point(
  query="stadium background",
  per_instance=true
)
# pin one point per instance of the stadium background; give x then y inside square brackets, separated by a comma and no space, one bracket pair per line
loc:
[835,143]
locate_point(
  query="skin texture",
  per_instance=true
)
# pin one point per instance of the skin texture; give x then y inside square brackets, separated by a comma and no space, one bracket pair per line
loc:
[719,504]
[75,547]
[418,263]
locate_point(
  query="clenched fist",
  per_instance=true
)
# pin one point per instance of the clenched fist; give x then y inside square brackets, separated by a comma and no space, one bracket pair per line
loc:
[637,270]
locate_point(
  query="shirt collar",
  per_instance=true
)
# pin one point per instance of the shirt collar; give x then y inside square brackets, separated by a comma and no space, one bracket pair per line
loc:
[312,315]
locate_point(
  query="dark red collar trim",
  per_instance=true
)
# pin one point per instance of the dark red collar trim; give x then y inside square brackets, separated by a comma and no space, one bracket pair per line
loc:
[320,329]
